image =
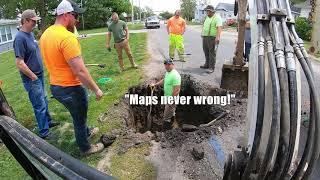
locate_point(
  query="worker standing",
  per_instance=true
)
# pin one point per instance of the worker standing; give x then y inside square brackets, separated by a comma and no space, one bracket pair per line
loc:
[247,38]
[62,55]
[172,85]
[29,63]
[176,26]
[211,32]
[120,32]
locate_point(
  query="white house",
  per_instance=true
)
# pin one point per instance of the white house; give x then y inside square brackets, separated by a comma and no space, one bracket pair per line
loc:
[200,13]
[8,30]
[226,11]
[305,8]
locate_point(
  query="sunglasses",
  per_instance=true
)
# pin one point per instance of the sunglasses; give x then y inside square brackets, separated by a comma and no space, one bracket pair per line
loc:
[31,20]
[75,15]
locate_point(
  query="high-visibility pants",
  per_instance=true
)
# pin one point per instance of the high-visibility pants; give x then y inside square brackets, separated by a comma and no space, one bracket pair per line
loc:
[176,42]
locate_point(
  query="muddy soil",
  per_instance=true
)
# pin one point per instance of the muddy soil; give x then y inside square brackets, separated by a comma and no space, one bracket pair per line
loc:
[177,154]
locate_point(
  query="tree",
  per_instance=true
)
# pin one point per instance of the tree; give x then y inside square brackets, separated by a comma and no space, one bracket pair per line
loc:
[188,8]
[166,15]
[315,21]
[242,7]
[148,11]
[97,11]
[11,8]
[137,11]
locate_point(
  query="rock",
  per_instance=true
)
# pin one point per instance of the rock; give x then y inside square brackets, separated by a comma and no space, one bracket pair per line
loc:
[220,130]
[107,140]
[147,153]
[198,153]
[137,142]
[189,128]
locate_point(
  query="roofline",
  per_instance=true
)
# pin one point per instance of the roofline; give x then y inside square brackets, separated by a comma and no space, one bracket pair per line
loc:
[9,22]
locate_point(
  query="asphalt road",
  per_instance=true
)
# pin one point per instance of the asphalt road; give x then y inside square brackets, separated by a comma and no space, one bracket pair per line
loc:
[193,45]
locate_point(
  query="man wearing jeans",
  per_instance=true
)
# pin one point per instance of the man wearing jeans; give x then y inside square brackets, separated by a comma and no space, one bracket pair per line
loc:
[211,31]
[62,54]
[120,33]
[29,63]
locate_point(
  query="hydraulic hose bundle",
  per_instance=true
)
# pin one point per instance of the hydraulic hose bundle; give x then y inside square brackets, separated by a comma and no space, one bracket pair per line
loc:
[277,118]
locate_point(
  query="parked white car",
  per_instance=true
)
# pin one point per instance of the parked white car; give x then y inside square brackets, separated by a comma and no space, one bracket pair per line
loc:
[152,22]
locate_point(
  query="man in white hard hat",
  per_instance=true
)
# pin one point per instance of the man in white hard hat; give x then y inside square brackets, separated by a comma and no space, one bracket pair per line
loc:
[62,55]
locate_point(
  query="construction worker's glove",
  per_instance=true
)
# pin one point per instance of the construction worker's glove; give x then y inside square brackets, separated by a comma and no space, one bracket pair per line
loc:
[152,85]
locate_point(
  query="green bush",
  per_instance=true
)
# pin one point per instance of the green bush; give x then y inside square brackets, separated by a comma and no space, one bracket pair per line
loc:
[303,28]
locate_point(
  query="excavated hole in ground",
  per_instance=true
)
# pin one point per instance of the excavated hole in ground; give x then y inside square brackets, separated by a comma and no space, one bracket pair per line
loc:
[185,114]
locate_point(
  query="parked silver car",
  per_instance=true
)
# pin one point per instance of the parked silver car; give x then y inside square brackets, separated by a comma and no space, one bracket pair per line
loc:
[152,22]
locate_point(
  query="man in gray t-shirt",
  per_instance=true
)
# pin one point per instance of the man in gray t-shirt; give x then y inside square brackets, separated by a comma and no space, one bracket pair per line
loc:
[120,33]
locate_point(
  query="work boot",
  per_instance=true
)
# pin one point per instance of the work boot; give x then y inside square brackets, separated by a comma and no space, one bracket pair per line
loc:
[209,71]
[94,148]
[53,124]
[50,137]
[92,132]
[204,67]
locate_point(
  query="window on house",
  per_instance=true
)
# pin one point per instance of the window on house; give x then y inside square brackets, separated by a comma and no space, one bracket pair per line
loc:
[3,34]
[9,34]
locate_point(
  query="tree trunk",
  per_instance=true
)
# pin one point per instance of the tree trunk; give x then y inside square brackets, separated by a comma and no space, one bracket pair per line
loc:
[238,58]
[315,14]
[43,14]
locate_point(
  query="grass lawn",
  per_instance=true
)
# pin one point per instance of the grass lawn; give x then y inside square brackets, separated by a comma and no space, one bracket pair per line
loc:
[93,52]
[104,29]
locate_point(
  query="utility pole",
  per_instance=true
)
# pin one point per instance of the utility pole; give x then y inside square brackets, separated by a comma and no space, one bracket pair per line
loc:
[82,17]
[132,16]
[139,10]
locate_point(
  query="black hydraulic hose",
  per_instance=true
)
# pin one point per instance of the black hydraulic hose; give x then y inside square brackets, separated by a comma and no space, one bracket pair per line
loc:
[302,48]
[282,155]
[260,109]
[40,156]
[293,98]
[307,152]
[308,149]
[315,111]
[282,60]
[273,140]
[291,121]
[312,149]
[57,155]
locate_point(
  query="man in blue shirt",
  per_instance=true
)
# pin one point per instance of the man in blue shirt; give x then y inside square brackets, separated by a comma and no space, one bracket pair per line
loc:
[29,63]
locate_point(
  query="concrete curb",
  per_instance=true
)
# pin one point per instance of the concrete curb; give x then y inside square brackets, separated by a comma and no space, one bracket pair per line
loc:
[315,58]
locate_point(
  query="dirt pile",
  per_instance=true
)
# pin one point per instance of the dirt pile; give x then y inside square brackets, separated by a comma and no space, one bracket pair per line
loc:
[185,152]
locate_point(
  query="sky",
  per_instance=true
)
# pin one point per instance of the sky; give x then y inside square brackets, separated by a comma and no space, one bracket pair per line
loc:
[169,5]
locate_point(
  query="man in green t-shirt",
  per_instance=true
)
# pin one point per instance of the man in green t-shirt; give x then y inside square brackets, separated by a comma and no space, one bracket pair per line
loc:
[120,33]
[211,32]
[172,84]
